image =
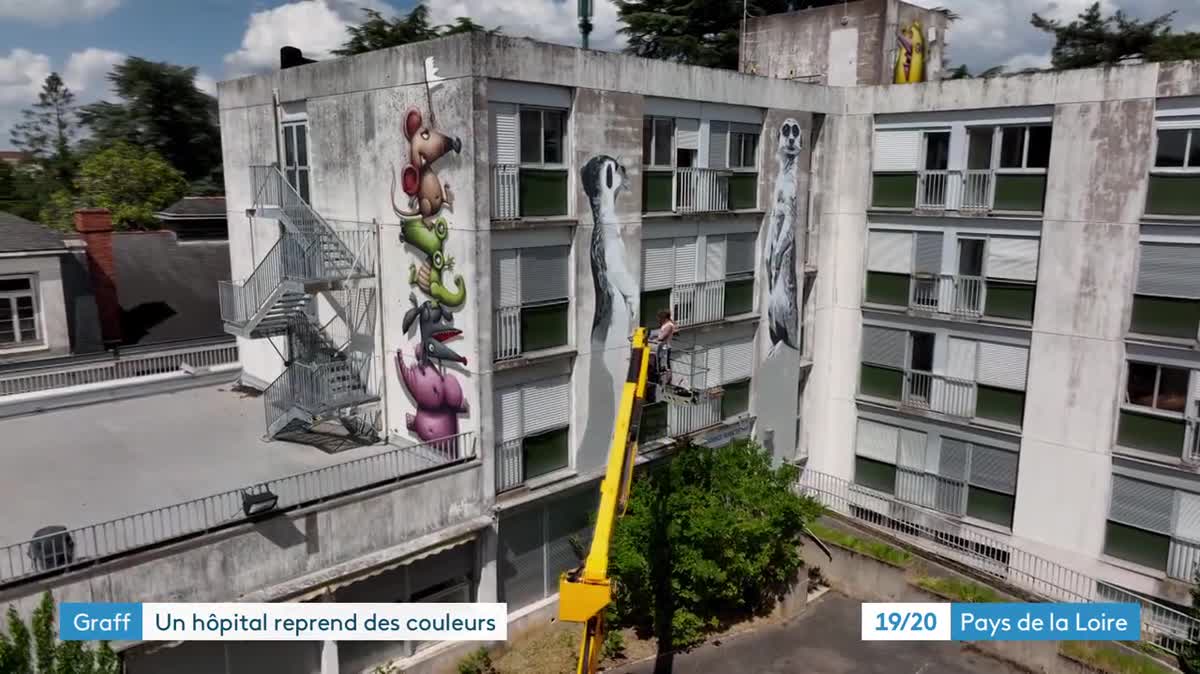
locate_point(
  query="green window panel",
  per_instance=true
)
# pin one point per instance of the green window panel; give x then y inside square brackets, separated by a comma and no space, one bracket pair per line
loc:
[1165,316]
[735,398]
[881,382]
[545,452]
[875,475]
[885,288]
[1000,404]
[990,506]
[651,302]
[1137,545]
[1173,194]
[656,191]
[743,191]
[653,423]
[1151,433]
[543,192]
[1019,192]
[739,297]
[894,190]
[1009,300]
[544,326]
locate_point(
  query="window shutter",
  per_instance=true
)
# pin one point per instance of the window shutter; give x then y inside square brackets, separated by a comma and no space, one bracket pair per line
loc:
[714,257]
[1011,258]
[658,264]
[567,517]
[1169,270]
[505,278]
[687,134]
[508,414]
[739,254]
[877,441]
[890,252]
[994,469]
[522,558]
[1002,365]
[544,273]
[912,449]
[952,462]
[896,150]
[504,133]
[1141,504]
[928,256]
[960,358]
[712,361]
[718,145]
[685,260]
[546,405]
[737,360]
[883,346]
[1187,519]
[751,129]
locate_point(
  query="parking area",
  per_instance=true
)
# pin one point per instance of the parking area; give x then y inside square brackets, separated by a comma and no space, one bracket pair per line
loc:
[824,640]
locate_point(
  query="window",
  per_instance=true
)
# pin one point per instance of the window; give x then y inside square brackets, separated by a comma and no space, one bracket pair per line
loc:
[1175,177]
[657,141]
[875,475]
[1136,545]
[1159,426]
[542,134]
[18,312]
[1157,386]
[1166,301]
[532,430]
[545,452]
[535,545]
[528,156]
[1024,147]
[295,156]
[735,398]
[743,150]
[532,288]
[1178,148]
[1140,521]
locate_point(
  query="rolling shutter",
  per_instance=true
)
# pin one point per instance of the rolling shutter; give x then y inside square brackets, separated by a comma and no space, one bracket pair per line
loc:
[1141,504]
[751,129]
[896,150]
[1002,365]
[508,414]
[883,346]
[522,558]
[685,260]
[1011,258]
[994,469]
[504,133]
[960,358]
[1169,270]
[739,254]
[952,462]
[544,273]
[687,134]
[567,517]
[714,258]
[658,263]
[890,252]
[912,449]
[718,145]
[711,359]
[1187,518]
[546,404]
[928,256]
[737,360]
[506,278]
[877,441]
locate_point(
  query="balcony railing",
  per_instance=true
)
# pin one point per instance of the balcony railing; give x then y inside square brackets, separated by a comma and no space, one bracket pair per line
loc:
[974,191]
[510,468]
[506,193]
[935,189]
[938,393]
[952,294]
[694,303]
[685,419]
[701,190]
[315,388]
[977,193]
[507,332]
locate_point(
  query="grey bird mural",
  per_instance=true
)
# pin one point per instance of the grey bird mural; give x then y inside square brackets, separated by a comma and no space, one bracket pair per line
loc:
[603,180]
[434,323]
[779,255]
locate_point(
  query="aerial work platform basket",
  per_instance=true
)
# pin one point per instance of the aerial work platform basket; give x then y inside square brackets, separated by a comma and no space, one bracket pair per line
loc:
[685,379]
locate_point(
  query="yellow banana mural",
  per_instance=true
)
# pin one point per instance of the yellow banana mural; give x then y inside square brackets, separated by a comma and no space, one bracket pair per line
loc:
[910,58]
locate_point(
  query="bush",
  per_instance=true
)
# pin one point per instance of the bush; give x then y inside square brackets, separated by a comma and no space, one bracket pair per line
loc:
[614,645]
[881,551]
[26,650]
[478,662]
[1189,653]
[710,536]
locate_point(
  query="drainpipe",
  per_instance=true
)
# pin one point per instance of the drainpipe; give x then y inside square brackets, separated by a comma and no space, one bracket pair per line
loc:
[382,342]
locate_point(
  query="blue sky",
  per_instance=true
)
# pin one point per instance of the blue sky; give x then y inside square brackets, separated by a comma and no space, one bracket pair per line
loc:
[82,39]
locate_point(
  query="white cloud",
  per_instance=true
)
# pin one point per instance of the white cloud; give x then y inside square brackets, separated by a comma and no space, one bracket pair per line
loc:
[1022,61]
[87,72]
[22,73]
[55,11]
[317,27]
[546,20]
[206,84]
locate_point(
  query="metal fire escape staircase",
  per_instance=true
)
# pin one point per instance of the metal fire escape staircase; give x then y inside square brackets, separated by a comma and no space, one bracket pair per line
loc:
[322,377]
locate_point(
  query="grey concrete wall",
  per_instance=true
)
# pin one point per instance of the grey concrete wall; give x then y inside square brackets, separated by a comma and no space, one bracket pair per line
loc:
[51,306]
[796,44]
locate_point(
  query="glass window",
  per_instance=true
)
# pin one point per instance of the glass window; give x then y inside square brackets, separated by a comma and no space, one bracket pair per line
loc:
[1012,147]
[1172,148]
[735,398]
[647,141]
[545,452]
[1165,316]
[544,326]
[18,312]
[979,148]
[552,135]
[990,506]
[1038,155]
[875,475]
[15,284]
[531,136]
[743,150]
[1137,545]
[1157,386]
[664,130]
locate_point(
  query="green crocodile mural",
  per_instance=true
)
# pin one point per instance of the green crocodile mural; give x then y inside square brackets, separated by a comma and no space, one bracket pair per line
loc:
[428,276]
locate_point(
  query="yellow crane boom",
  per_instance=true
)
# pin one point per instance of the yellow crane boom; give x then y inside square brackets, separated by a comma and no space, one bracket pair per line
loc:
[584,593]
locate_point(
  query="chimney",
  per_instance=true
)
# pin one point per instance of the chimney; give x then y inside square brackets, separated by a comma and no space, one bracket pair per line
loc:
[95,226]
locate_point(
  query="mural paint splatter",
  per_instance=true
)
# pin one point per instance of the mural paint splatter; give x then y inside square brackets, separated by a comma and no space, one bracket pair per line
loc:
[780,253]
[604,179]
[438,394]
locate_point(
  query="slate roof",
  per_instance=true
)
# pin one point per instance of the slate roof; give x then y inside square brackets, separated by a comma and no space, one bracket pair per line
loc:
[195,207]
[18,234]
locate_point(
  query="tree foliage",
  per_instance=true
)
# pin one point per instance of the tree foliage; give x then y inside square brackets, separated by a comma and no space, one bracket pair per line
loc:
[47,130]
[379,32]
[160,109]
[1093,39]
[37,651]
[696,32]
[712,535]
[131,182]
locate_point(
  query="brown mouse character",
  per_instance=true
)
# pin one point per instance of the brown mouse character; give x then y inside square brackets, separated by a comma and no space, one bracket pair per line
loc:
[426,194]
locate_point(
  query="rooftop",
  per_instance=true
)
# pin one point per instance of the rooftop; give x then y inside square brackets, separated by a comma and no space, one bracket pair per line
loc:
[20,235]
[90,464]
[194,207]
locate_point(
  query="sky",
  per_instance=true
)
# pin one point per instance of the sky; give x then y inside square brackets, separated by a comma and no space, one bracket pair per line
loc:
[82,39]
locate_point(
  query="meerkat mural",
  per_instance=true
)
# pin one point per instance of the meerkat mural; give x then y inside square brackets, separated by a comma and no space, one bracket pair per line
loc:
[779,255]
[603,180]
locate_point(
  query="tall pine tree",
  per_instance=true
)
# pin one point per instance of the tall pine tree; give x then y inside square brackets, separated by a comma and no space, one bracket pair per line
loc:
[379,32]
[1093,39]
[47,131]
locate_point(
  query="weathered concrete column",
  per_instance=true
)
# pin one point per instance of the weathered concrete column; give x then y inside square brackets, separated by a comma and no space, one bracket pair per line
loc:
[329,649]
[487,547]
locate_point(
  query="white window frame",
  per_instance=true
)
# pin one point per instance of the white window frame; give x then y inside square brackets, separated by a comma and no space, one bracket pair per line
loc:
[542,110]
[1193,137]
[289,125]
[652,166]
[1151,410]
[998,143]
[11,296]
[741,136]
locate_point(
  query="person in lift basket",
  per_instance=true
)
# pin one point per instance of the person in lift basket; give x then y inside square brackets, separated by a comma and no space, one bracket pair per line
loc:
[661,362]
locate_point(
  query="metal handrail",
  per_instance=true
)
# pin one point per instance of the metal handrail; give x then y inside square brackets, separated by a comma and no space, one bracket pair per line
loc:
[701,190]
[953,294]
[939,393]
[506,191]
[695,303]
[316,386]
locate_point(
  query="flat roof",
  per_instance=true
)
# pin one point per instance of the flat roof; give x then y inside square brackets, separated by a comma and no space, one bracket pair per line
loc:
[89,464]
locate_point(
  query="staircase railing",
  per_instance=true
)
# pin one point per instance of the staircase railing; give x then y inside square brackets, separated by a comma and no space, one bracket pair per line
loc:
[310,388]
[311,344]
[240,300]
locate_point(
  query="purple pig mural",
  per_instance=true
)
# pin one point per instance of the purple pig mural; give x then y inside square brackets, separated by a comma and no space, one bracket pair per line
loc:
[438,395]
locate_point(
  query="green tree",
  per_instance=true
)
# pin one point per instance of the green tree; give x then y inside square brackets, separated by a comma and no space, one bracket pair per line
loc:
[1095,40]
[47,130]
[379,32]
[160,109]
[1189,653]
[38,651]
[1177,47]
[132,182]
[709,536]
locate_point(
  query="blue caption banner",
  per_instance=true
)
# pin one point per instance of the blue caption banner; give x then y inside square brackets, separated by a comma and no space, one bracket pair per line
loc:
[109,622]
[1045,622]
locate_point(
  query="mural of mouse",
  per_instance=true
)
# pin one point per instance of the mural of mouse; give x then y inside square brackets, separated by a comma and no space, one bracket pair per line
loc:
[780,253]
[603,180]
[434,322]
[438,396]
[428,276]
[427,195]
